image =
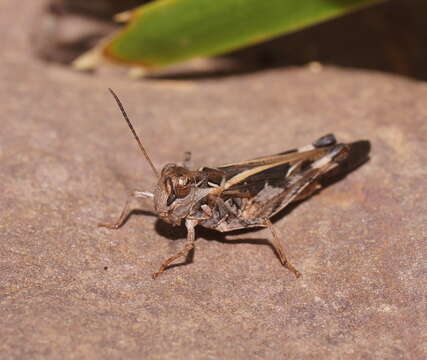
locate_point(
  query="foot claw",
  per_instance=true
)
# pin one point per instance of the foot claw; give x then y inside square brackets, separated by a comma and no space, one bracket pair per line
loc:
[109,226]
[156,275]
[297,274]
[291,268]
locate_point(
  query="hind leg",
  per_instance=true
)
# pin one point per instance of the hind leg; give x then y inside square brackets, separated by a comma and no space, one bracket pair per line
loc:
[276,242]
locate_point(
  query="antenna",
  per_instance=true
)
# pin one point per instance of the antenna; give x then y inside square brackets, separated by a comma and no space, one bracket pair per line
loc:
[119,103]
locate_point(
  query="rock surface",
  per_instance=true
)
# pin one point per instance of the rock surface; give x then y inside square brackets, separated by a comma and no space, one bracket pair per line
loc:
[69,289]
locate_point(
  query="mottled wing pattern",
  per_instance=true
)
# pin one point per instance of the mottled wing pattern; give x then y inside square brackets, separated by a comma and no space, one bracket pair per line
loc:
[257,189]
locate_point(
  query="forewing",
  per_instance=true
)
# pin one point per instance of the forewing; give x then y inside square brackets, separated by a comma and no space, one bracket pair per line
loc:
[274,166]
[301,184]
[257,189]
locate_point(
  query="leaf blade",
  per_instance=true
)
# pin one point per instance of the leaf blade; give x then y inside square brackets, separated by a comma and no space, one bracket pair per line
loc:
[170,31]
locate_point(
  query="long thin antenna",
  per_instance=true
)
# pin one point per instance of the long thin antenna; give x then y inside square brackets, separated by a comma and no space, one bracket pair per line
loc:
[122,109]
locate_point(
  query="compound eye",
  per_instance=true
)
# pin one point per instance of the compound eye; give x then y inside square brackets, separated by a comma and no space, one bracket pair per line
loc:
[183,186]
[183,180]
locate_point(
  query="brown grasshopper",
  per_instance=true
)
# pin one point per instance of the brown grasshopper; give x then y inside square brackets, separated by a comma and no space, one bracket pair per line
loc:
[236,196]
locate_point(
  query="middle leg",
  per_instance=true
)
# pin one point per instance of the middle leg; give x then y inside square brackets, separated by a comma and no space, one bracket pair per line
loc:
[190,224]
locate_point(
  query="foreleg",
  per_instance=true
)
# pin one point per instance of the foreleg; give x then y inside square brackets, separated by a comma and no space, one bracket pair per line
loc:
[125,212]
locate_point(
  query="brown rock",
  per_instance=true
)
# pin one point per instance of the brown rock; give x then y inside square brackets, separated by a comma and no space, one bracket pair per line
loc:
[69,289]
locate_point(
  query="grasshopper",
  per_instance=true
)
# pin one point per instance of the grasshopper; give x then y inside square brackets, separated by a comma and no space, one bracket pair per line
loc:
[236,196]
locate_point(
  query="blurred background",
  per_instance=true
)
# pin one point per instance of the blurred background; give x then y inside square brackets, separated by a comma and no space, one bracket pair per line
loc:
[389,37]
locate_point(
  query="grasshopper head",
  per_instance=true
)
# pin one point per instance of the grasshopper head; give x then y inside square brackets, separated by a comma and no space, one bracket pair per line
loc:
[176,190]
[175,193]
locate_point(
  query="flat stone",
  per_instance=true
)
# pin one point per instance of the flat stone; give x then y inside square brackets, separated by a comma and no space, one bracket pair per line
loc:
[70,289]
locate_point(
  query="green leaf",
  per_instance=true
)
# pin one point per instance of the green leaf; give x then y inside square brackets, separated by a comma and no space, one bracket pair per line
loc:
[165,32]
